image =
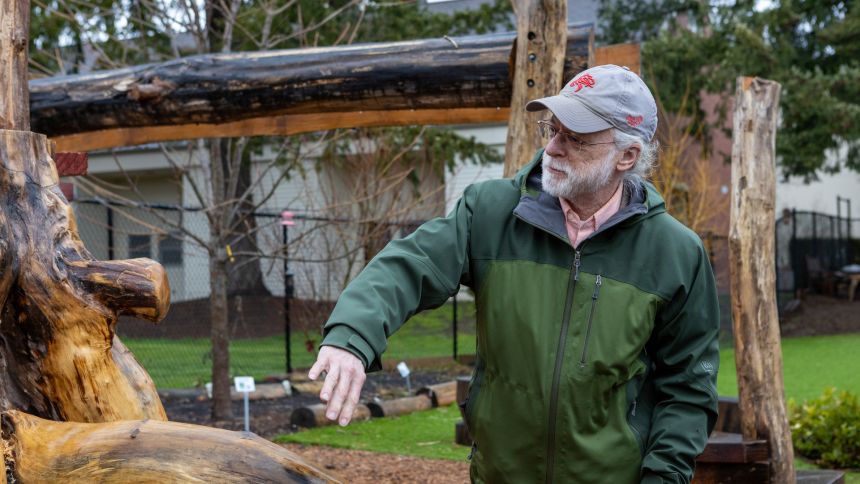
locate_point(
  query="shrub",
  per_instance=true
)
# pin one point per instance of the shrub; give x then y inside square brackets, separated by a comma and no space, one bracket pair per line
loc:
[827,429]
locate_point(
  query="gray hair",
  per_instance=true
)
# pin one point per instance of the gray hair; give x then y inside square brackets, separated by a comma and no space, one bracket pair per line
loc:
[647,154]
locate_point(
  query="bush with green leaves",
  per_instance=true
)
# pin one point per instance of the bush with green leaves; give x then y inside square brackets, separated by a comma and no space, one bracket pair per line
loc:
[827,429]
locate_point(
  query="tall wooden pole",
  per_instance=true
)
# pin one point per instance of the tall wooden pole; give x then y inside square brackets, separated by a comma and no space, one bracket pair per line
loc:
[538,61]
[14,92]
[14,29]
[751,246]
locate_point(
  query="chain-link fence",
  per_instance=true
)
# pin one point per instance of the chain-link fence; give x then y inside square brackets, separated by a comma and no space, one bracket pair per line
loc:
[271,330]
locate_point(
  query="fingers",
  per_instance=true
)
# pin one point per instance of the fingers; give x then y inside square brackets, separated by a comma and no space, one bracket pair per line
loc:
[352,398]
[331,379]
[343,381]
[319,366]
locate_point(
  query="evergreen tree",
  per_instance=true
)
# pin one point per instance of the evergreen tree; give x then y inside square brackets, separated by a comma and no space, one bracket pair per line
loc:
[810,47]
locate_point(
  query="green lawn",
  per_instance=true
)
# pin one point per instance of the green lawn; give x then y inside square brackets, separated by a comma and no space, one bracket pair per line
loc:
[185,363]
[424,434]
[810,365]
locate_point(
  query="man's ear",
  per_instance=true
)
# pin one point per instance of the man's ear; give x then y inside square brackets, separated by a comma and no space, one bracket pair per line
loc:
[628,158]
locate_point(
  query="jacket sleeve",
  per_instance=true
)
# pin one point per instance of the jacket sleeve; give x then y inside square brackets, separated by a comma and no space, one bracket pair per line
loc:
[418,272]
[684,349]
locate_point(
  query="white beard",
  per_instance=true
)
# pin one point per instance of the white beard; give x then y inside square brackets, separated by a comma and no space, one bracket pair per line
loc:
[581,180]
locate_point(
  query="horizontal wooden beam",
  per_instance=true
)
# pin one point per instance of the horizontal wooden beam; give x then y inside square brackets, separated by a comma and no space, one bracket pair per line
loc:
[277,126]
[220,89]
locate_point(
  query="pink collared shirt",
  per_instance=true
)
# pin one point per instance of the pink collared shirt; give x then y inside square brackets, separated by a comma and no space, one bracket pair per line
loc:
[578,230]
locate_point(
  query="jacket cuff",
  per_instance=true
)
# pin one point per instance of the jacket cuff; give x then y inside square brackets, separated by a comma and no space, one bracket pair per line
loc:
[345,338]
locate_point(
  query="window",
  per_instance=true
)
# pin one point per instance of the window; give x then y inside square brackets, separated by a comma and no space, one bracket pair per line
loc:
[139,246]
[170,250]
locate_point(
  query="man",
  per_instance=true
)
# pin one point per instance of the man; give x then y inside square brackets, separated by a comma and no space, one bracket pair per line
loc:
[597,316]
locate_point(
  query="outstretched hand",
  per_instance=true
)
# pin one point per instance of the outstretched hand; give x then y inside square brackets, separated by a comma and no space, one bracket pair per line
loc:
[343,381]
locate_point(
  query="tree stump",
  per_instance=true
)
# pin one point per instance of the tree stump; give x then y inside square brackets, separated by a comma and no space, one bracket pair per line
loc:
[60,358]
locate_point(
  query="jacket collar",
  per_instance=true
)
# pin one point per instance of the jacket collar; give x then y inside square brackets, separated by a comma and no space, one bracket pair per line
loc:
[536,207]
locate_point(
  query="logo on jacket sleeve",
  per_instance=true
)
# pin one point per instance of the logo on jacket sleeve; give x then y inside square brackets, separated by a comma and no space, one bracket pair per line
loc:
[708,367]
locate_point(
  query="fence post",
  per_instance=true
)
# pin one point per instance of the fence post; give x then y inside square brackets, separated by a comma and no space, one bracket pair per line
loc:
[288,290]
[110,241]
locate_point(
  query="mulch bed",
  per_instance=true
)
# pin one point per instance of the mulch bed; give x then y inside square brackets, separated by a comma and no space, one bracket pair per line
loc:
[271,417]
[818,315]
[359,466]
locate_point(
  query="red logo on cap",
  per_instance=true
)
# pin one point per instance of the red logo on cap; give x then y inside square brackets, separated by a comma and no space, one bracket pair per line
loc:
[583,81]
[634,120]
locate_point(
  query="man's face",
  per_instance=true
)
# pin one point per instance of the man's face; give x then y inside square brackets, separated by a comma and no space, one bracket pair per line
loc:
[576,165]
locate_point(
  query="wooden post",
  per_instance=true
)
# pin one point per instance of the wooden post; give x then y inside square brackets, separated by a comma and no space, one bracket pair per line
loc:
[538,60]
[751,244]
[14,92]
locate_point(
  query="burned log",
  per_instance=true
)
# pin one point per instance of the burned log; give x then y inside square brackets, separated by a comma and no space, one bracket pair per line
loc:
[441,394]
[314,415]
[400,406]
[466,72]
[146,451]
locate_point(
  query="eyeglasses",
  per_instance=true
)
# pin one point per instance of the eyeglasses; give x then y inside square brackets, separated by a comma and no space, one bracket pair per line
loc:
[548,130]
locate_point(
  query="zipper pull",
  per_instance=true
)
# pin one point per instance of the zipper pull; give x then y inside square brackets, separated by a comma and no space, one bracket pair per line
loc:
[597,285]
[633,412]
[576,262]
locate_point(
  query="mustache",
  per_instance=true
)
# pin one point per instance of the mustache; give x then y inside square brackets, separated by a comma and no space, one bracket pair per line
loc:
[554,163]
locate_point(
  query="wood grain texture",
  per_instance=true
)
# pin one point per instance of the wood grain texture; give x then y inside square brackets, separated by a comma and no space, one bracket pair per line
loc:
[59,357]
[436,74]
[758,355]
[14,40]
[147,451]
[538,60]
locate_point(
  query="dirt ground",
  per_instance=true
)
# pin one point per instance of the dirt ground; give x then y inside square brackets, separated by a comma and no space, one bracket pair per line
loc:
[358,466]
[818,315]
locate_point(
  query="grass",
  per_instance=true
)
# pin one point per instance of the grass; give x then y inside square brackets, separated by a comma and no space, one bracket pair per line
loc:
[184,363]
[427,434]
[810,365]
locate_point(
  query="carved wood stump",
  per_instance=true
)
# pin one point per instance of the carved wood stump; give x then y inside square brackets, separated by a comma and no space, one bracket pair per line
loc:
[59,355]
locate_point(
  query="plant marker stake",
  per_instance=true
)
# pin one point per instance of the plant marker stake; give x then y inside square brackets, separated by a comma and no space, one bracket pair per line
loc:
[245,384]
[404,372]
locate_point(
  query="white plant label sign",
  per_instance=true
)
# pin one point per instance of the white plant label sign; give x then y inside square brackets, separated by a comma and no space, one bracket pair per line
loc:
[244,384]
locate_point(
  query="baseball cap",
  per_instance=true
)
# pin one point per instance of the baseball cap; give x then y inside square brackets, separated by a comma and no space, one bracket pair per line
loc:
[603,97]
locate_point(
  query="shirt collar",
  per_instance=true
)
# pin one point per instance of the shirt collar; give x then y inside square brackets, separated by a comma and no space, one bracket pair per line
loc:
[600,216]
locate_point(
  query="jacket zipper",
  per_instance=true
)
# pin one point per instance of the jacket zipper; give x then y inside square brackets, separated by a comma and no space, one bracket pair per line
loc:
[559,359]
[594,297]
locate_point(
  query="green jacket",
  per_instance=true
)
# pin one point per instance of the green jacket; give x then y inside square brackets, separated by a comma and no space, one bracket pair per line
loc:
[594,364]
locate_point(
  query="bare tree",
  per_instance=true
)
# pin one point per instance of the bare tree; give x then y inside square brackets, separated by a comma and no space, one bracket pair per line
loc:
[227,177]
